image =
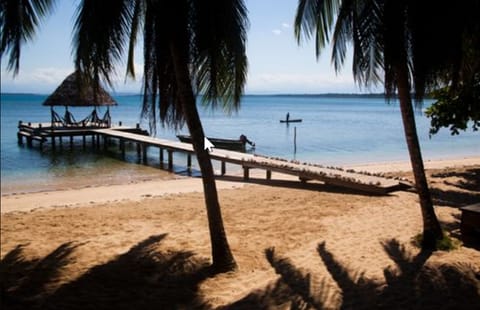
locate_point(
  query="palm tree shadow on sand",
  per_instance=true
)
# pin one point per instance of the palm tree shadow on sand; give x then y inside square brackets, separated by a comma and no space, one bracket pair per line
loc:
[463,190]
[24,282]
[413,284]
[142,278]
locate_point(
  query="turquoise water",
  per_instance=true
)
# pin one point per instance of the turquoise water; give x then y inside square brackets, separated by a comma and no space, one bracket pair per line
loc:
[335,131]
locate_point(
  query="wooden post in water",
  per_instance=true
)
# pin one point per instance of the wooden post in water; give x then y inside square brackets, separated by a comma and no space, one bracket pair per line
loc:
[19,136]
[98,142]
[105,143]
[246,173]
[161,156]
[122,147]
[224,168]
[295,140]
[189,164]
[139,150]
[170,160]
[145,148]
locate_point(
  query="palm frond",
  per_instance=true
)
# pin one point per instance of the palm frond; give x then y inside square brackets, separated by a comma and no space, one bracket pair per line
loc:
[342,34]
[19,20]
[164,21]
[315,18]
[101,33]
[219,54]
[136,25]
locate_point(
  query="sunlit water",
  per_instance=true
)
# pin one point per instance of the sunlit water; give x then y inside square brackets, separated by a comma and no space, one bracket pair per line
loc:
[334,131]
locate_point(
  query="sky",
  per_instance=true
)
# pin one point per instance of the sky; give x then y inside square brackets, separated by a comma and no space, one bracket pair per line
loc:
[277,64]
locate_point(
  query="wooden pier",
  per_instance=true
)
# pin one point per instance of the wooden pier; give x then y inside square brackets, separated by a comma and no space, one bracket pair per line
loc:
[304,171]
[43,132]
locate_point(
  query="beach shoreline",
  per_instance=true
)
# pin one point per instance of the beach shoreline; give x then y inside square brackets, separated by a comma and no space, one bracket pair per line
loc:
[171,184]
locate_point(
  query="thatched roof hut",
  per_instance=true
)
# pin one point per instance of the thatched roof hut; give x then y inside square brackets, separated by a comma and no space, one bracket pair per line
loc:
[70,93]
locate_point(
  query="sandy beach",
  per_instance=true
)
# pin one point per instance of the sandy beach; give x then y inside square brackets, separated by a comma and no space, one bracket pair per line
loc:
[145,245]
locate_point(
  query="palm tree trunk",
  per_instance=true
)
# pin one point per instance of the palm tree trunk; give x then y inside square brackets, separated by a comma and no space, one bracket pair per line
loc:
[431,227]
[221,254]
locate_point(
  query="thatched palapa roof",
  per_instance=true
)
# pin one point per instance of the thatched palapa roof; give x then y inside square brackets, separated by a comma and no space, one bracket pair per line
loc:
[69,93]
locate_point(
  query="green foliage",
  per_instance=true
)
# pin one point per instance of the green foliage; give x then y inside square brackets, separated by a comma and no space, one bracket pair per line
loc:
[445,244]
[455,108]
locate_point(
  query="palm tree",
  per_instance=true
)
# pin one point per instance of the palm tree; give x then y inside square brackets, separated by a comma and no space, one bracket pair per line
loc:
[405,41]
[190,47]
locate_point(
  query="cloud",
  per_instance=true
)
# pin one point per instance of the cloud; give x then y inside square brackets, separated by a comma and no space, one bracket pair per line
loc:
[283,26]
[300,83]
[42,80]
[45,80]
[277,32]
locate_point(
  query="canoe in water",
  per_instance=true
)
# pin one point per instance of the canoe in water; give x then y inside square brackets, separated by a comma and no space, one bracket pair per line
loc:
[228,144]
[298,120]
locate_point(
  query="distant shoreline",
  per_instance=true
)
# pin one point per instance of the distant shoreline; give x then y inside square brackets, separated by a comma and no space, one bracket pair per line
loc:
[321,95]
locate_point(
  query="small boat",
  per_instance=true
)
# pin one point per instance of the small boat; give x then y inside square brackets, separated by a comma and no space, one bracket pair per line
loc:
[228,144]
[298,120]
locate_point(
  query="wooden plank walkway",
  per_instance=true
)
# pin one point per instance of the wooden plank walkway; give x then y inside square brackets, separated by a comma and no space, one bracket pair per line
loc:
[304,171]
[42,132]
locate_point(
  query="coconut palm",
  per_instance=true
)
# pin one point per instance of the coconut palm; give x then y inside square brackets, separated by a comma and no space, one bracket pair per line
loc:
[401,43]
[190,47]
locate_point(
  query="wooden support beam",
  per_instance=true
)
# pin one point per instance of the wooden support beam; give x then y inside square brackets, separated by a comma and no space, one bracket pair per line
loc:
[189,161]
[84,138]
[170,160]
[224,168]
[246,173]
[269,174]
[122,147]
[145,149]
[98,142]
[139,149]
[161,155]
[71,142]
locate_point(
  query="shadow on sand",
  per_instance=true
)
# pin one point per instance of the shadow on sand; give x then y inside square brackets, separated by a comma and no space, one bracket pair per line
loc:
[148,278]
[465,188]
[411,285]
[142,278]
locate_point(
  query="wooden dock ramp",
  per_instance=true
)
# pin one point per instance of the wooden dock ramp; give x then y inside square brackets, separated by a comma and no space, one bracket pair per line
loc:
[304,171]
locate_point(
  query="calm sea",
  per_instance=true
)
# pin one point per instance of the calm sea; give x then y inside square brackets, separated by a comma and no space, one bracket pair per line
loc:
[335,130]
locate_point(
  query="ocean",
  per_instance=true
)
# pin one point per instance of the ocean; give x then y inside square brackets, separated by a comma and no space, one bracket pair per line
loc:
[335,130]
